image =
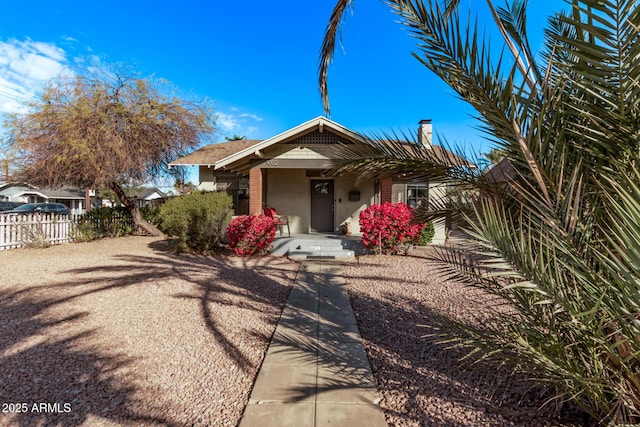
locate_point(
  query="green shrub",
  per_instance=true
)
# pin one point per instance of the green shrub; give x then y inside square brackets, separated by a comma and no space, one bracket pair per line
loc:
[150,214]
[103,222]
[426,235]
[198,220]
[84,231]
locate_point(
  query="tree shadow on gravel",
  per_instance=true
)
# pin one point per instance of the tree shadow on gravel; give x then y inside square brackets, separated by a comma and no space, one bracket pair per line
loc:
[245,283]
[48,378]
[39,364]
[421,377]
[241,283]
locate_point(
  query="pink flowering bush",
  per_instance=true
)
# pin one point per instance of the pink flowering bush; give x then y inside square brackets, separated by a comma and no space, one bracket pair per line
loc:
[250,234]
[387,228]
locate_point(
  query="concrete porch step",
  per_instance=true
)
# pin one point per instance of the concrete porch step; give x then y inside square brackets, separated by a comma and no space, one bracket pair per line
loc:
[320,254]
[319,249]
[316,247]
[309,248]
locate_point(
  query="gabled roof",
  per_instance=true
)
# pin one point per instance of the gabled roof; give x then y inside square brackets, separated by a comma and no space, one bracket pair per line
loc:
[435,153]
[221,155]
[22,189]
[18,190]
[144,193]
[501,172]
[236,155]
[6,185]
[318,123]
[64,193]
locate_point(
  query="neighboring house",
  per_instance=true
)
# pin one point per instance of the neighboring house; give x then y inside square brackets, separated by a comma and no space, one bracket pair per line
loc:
[285,172]
[74,199]
[501,172]
[147,196]
[499,176]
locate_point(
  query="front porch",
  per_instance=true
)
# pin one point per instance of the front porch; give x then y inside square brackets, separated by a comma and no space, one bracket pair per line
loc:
[313,204]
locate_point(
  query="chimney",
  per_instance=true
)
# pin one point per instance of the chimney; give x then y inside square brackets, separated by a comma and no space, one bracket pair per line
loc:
[425,133]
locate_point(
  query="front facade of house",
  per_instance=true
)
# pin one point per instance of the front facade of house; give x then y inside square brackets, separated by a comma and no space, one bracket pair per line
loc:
[24,193]
[286,172]
[146,197]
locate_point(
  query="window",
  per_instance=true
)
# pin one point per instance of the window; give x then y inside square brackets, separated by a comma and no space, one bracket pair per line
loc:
[376,192]
[417,195]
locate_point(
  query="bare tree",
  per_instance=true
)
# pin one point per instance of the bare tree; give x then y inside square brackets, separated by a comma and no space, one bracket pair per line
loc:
[106,131]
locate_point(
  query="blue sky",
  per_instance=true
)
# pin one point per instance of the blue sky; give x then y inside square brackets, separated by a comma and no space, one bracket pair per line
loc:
[257,60]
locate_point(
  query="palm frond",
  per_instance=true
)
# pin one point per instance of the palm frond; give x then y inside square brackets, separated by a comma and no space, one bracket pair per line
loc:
[556,243]
[331,35]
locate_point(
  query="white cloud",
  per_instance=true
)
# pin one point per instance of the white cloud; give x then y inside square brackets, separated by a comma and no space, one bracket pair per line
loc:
[242,124]
[251,116]
[25,66]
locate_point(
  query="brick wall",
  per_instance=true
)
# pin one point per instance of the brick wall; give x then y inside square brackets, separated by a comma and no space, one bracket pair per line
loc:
[386,189]
[255,191]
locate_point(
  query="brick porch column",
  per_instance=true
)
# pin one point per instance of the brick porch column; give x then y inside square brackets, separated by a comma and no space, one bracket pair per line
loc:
[255,191]
[385,189]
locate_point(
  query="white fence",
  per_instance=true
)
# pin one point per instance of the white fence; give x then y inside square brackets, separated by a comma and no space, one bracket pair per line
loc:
[35,230]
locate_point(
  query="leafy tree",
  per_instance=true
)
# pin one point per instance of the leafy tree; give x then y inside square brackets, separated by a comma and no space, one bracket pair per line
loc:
[179,174]
[494,156]
[235,137]
[105,131]
[182,187]
[558,239]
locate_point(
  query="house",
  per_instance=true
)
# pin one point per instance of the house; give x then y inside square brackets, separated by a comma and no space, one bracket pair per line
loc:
[74,199]
[501,172]
[146,196]
[287,172]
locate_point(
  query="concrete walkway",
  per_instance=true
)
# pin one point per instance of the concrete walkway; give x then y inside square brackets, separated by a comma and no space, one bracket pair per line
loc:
[315,372]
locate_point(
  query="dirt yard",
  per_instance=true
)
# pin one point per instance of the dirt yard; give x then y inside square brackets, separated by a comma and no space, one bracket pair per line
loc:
[121,332]
[421,383]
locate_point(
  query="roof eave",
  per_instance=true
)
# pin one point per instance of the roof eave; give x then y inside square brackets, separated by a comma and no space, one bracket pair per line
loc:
[319,121]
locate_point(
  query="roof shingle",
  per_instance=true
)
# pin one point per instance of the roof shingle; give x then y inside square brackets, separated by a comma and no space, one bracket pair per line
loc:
[209,154]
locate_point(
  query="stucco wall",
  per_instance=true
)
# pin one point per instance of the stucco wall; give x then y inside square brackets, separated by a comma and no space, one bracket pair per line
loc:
[350,210]
[207,180]
[437,195]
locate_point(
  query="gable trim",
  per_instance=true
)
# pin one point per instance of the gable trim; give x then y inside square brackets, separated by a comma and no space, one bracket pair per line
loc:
[318,122]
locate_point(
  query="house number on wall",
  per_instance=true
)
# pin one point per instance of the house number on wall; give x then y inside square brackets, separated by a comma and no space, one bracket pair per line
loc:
[272,162]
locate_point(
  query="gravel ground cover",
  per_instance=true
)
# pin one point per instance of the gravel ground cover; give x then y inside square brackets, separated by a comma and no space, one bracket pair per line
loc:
[420,382]
[121,332]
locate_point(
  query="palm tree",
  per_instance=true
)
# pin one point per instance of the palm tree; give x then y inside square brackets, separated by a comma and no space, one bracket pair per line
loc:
[559,241]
